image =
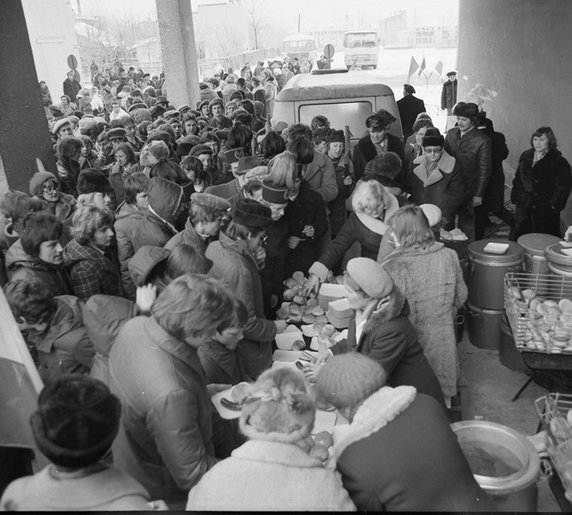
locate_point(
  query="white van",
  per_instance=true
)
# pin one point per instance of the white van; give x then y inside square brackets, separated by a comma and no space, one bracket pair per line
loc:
[343,97]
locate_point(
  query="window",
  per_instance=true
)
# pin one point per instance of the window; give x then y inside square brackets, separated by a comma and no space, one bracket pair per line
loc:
[353,114]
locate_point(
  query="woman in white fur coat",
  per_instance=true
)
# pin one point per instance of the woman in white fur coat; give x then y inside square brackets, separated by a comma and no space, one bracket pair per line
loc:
[273,470]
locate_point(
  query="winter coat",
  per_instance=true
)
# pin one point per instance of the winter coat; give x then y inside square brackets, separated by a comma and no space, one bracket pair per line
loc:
[337,207]
[20,265]
[127,219]
[359,227]
[222,123]
[90,271]
[444,187]
[107,489]
[188,236]
[307,208]
[165,438]
[269,476]
[235,266]
[400,454]
[365,151]
[225,191]
[409,107]
[448,94]
[67,178]
[65,348]
[389,338]
[8,234]
[432,281]
[494,192]
[103,317]
[540,192]
[220,364]
[156,227]
[320,174]
[63,208]
[473,153]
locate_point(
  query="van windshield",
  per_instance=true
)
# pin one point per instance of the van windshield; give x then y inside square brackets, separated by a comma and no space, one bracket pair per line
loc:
[361,40]
[352,114]
[303,45]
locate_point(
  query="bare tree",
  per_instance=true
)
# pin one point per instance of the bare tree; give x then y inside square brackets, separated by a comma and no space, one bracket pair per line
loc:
[257,19]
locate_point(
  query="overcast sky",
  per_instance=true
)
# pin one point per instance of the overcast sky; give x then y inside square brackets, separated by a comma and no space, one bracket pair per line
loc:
[425,12]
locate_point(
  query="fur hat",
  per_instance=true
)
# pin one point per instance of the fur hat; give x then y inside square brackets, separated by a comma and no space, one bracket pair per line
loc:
[274,194]
[466,110]
[162,100]
[370,277]
[216,101]
[38,179]
[91,180]
[334,135]
[59,124]
[86,124]
[408,88]
[76,421]
[199,149]
[159,149]
[157,111]
[433,138]
[172,113]
[251,213]
[348,379]
[279,407]
[116,133]
[202,104]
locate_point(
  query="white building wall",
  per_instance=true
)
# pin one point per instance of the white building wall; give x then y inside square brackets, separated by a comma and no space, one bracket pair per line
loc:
[52,37]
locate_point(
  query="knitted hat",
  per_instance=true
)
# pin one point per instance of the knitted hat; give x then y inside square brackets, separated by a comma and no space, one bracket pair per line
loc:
[76,421]
[370,277]
[199,149]
[215,101]
[279,407]
[466,109]
[91,180]
[251,213]
[348,379]
[144,262]
[117,133]
[59,124]
[158,149]
[38,179]
[334,135]
[247,163]
[233,155]
[432,213]
[433,138]
[274,194]
[210,202]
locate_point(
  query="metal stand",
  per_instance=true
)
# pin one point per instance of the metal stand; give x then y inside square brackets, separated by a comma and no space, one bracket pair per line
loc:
[523,387]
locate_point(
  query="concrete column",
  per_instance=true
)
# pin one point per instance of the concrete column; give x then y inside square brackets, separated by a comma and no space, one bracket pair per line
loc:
[178,50]
[24,133]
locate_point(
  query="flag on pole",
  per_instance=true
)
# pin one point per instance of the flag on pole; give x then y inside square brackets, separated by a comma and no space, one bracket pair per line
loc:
[439,68]
[423,66]
[413,66]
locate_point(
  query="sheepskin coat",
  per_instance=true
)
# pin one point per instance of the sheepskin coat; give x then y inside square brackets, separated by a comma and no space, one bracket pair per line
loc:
[432,281]
[400,454]
[269,476]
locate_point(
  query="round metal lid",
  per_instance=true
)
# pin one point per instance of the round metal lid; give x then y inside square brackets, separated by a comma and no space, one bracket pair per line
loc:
[536,242]
[554,253]
[512,255]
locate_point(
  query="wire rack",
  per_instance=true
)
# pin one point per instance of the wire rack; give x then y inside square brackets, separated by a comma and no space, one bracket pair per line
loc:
[553,411]
[535,316]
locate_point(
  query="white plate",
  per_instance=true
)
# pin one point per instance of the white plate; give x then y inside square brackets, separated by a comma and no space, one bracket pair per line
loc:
[285,340]
[568,252]
[496,248]
[286,356]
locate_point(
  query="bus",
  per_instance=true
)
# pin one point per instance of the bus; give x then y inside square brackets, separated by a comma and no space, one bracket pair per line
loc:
[300,46]
[361,48]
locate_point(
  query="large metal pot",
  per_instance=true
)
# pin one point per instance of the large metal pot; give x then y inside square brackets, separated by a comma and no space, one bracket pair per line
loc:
[492,447]
[487,271]
[484,327]
[534,258]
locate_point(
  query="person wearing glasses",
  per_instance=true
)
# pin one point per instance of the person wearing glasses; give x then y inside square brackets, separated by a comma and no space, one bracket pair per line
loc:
[238,256]
[45,186]
[435,177]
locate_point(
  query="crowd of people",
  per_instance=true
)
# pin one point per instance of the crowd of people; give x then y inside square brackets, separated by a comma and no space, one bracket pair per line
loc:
[146,273]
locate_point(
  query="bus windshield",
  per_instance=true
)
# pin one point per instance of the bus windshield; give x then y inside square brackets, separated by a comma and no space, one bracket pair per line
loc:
[361,40]
[301,45]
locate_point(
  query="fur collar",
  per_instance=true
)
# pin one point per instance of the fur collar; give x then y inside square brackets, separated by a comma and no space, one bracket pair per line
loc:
[445,167]
[376,412]
[386,311]
[375,224]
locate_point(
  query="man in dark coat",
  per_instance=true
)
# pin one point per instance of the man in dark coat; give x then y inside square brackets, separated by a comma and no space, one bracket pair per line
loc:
[378,141]
[71,87]
[398,452]
[409,107]
[449,93]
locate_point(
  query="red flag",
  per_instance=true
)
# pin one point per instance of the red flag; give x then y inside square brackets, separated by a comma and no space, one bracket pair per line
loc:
[423,66]
[413,66]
